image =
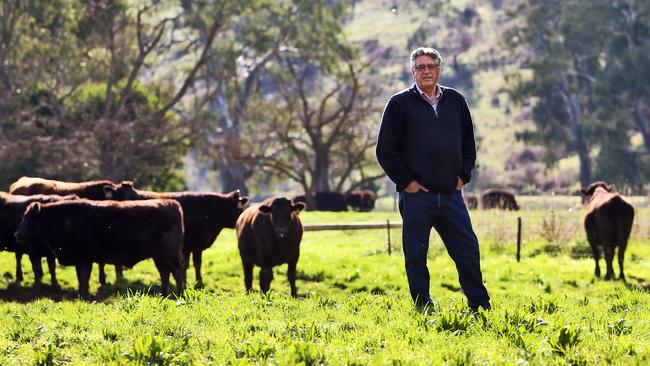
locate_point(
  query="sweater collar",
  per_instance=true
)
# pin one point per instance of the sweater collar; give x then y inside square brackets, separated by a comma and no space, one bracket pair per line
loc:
[414,88]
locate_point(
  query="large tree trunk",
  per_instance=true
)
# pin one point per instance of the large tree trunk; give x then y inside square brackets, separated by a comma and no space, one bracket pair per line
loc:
[233,177]
[321,172]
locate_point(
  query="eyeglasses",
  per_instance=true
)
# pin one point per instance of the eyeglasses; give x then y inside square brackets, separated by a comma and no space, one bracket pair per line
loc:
[421,67]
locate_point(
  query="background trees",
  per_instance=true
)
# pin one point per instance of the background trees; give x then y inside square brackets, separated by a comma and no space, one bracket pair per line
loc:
[286,95]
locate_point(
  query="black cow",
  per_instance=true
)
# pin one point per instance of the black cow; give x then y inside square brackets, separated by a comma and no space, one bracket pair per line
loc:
[268,235]
[363,201]
[325,201]
[12,208]
[608,223]
[204,216]
[93,190]
[82,232]
[498,198]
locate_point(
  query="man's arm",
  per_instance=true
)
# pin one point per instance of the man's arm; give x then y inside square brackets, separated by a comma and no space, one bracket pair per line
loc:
[469,145]
[391,134]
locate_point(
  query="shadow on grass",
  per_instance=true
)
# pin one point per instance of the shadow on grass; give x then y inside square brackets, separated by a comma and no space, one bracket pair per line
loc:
[641,286]
[16,292]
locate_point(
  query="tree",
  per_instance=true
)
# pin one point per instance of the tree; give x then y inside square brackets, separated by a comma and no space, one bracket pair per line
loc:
[562,40]
[315,131]
[275,29]
[128,119]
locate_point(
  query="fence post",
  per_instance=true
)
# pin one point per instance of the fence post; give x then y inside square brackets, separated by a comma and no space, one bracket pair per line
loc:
[388,232]
[518,238]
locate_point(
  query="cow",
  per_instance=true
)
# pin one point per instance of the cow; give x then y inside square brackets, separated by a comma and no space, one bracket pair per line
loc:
[82,232]
[269,234]
[498,198]
[608,223]
[326,201]
[330,201]
[363,201]
[470,200]
[12,208]
[204,216]
[94,190]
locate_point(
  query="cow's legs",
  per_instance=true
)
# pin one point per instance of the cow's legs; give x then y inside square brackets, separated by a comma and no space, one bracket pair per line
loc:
[102,274]
[164,272]
[266,276]
[37,268]
[291,275]
[608,248]
[19,267]
[179,277]
[593,243]
[621,257]
[51,266]
[248,274]
[196,255]
[119,272]
[83,277]
[186,264]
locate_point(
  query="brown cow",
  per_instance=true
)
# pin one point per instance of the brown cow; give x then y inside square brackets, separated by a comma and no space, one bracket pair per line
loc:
[204,216]
[82,232]
[268,235]
[94,190]
[12,208]
[608,223]
[498,198]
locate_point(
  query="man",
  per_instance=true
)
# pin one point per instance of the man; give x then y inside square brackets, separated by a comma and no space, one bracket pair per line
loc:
[426,146]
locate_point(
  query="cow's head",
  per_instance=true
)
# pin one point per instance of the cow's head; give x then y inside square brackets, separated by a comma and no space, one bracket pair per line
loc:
[122,192]
[590,189]
[281,211]
[242,201]
[30,226]
[368,200]
[233,207]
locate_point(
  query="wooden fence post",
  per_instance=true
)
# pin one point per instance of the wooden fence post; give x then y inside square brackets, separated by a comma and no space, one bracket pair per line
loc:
[518,238]
[388,232]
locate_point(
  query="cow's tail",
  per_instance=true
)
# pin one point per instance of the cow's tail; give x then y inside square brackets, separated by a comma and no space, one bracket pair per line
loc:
[625,219]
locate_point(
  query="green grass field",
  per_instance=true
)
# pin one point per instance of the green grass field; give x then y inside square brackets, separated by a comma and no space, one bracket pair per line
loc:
[353,307]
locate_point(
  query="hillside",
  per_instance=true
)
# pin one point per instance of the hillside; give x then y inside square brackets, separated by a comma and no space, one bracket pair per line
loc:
[382,32]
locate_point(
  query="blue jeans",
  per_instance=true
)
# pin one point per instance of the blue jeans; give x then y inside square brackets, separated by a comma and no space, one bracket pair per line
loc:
[447,213]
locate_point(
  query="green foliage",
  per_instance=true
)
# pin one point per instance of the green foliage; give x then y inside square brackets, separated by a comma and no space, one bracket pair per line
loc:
[45,356]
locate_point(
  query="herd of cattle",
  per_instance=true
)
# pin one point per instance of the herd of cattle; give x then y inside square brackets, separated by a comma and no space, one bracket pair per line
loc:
[78,224]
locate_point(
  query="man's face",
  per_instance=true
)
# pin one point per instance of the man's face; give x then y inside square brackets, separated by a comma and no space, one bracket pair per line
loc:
[424,74]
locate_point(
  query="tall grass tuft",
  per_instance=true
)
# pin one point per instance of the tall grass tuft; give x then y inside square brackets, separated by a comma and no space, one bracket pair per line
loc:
[567,338]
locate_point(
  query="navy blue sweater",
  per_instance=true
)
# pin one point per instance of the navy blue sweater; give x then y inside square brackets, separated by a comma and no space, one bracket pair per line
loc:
[416,144]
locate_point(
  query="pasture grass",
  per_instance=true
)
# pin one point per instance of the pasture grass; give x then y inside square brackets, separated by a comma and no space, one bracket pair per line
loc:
[353,307]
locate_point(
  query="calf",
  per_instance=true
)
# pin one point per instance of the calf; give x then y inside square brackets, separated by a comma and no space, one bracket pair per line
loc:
[608,223]
[12,208]
[498,198]
[268,235]
[94,190]
[81,232]
[204,216]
